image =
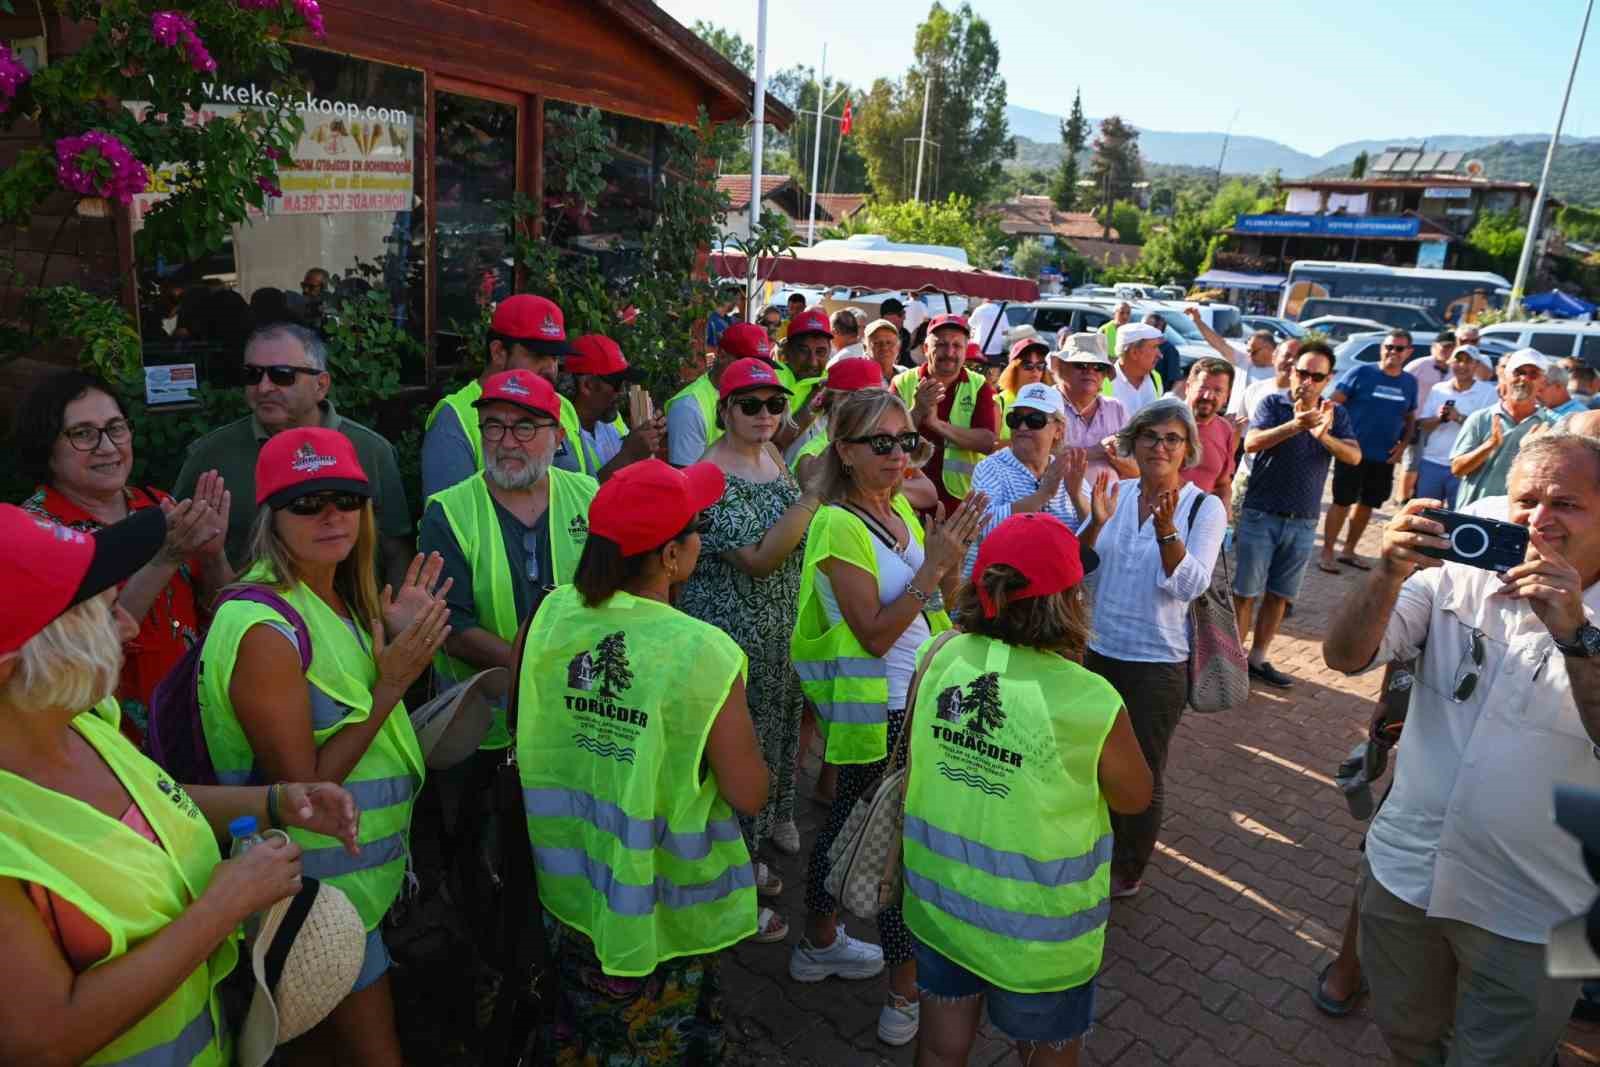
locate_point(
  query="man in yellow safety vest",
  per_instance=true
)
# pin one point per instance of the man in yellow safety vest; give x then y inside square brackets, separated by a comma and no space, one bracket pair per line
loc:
[952,407]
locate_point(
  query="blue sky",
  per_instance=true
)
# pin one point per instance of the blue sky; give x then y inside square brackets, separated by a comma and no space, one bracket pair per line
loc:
[1311,75]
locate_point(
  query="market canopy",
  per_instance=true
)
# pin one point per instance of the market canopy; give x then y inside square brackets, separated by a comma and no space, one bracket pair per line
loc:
[1562,305]
[1232,279]
[879,271]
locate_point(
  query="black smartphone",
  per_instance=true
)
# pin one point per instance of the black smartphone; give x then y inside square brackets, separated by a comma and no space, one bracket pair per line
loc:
[1488,544]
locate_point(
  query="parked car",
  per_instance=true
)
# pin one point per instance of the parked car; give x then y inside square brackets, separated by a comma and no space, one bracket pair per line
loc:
[1557,339]
[1181,332]
[1405,316]
[1224,318]
[1338,328]
[1049,316]
[1281,329]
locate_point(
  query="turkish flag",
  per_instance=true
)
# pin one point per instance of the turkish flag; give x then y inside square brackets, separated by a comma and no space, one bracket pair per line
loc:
[844,122]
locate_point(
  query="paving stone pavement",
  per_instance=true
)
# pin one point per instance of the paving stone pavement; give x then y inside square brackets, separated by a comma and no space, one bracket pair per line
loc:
[1242,907]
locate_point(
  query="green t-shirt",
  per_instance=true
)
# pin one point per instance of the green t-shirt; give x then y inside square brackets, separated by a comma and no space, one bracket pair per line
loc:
[231,451]
[1490,479]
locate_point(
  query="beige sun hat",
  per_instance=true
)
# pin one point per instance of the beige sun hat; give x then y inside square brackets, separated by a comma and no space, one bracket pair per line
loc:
[306,957]
[452,725]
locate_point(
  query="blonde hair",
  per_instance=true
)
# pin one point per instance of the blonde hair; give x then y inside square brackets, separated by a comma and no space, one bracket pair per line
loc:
[73,663]
[857,414]
[353,579]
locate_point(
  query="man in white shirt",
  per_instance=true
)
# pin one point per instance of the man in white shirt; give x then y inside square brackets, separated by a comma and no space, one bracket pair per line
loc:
[1429,371]
[1444,408]
[986,330]
[1138,351]
[846,335]
[1283,358]
[1465,871]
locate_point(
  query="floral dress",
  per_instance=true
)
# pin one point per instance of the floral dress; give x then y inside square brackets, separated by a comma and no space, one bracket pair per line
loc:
[759,614]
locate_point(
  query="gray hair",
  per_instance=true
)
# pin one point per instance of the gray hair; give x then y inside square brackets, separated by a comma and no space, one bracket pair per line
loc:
[1556,374]
[844,322]
[310,343]
[1558,439]
[1167,409]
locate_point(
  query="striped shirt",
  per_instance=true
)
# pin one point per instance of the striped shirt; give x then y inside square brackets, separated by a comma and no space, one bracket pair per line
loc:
[1007,480]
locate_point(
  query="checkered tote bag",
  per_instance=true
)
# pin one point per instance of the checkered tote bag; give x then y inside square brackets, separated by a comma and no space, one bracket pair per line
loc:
[1219,675]
[864,859]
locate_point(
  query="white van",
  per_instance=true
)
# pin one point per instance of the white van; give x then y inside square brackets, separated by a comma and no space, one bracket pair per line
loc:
[1554,338]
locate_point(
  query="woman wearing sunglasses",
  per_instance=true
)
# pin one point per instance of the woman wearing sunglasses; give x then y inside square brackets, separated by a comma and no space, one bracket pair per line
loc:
[1035,473]
[745,583]
[1158,538]
[73,440]
[267,719]
[872,590]
[1029,363]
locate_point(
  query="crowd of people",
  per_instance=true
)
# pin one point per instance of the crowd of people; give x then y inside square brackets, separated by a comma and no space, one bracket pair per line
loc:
[971,559]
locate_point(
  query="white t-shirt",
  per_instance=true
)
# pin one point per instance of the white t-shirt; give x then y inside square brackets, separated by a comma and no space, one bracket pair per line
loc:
[980,323]
[1254,394]
[855,351]
[1132,398]
[603,443]
[1244,379]
[894,574]
[1443,436]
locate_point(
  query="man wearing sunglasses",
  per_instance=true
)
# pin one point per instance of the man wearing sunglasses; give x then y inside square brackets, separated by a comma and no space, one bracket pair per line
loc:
[527,332]
[1466,873]
[1293,439]
[286,384]
[1490,437]
[593,380]
[953,407]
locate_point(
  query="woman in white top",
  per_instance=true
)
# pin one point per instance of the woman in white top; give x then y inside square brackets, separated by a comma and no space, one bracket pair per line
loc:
[1158,540]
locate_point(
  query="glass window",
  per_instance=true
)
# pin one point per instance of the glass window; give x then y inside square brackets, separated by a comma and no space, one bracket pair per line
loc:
[1591,349]
[475,166]
[1553,344]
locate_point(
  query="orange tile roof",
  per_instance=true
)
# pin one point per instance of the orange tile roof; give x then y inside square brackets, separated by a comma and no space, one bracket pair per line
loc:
[1037,215]
[737,186]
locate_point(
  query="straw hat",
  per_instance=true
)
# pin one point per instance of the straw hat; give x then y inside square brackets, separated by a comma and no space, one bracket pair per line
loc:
[452,725]
[306,957]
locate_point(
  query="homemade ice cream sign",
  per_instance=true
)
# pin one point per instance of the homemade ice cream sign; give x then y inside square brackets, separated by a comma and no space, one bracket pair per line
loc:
[351,157]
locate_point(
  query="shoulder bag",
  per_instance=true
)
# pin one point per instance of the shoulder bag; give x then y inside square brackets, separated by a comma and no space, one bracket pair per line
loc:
[1219,675]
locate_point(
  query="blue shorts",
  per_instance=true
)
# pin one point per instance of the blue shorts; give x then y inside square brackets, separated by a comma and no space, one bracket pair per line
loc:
[1435,482]
[1043,1018]
[1271,552]
[376,962]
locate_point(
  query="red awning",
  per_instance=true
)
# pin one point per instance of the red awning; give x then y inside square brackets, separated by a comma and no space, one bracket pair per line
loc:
[910,272]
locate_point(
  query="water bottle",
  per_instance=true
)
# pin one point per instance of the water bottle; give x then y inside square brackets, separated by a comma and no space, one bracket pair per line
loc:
[245,837]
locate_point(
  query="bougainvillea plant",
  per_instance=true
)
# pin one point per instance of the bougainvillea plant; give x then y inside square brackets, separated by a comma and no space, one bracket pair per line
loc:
[129,112]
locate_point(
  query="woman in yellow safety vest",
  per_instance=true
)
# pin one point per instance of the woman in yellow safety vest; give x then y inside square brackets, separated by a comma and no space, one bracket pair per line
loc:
[1016,754]
[871,591]
[118,914]
[268,719]
[635,748]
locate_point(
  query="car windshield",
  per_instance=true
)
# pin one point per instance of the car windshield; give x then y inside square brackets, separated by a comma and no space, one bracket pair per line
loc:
[1180,323]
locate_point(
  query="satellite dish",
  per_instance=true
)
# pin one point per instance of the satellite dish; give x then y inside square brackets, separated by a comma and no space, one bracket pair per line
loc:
[1474,168]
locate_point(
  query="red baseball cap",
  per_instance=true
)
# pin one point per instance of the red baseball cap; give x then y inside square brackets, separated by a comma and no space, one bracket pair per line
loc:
[855,372]
[49,568]
[309,460]
[811,320]
[646,504]
[745,374]
[948,319]
[532,321]
[524,389]
[1025,343]
[974,353]
[595,353]
[745,340]
[1042,548]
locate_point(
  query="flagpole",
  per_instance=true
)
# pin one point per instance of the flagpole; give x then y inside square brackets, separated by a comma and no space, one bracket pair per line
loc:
[816,150]
[758,136]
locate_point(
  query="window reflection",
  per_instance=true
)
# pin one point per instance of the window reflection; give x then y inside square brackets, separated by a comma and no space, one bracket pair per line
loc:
[475,166]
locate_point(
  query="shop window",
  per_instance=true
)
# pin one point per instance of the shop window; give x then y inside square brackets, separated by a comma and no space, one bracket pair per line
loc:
[349,221]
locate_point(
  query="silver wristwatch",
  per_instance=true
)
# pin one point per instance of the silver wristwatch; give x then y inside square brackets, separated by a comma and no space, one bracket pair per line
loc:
[1585,643]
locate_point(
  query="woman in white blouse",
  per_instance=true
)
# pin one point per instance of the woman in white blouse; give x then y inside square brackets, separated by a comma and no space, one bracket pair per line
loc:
[1158,540]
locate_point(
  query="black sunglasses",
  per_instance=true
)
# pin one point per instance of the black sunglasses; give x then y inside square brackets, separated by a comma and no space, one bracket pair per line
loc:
[1025,365]
[1032,418]
[884,443]
[316,503]
[1397,348]
[1466,680]
[1312,375]
[280,373]
[751,406]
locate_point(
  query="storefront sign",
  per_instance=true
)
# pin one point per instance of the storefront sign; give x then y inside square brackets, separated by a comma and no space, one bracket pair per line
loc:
[1430,254]
[171,384]
[1447,192]
[1399,226]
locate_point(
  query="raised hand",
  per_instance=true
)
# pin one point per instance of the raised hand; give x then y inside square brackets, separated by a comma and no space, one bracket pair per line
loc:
[1069,469]
[416,593]
[191,524]
[213,491]
[1103,502]
[1409,531]
[930,394]
[948,539]
[1551,585]
[402,660]
[323,808]
[644,440]
[1162,509]
[1496,434]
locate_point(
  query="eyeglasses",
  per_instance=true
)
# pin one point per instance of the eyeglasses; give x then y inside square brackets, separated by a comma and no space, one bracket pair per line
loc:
[615,381]
[1151,439]
[87,438]
[1032,418]
[1311,375]
[884,443]
[317,503]
[751,406]
[279,373]
[1025,365]
[1397,348]
[523,430]
[1466,680]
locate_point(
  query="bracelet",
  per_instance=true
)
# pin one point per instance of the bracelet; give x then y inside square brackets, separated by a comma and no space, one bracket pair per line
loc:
[1167,539]
[921,597]
[272,807]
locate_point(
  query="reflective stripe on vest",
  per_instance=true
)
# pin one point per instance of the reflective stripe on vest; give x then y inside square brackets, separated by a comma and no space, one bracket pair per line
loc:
[958,462]
[701,392]
[192,1042]
[858,712]
[470,512]
[387,778]
[632,842]
[1007,837]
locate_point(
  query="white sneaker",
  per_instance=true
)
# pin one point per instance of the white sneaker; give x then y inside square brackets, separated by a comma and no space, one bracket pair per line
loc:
[786,837]
[845,958]
[897,1022]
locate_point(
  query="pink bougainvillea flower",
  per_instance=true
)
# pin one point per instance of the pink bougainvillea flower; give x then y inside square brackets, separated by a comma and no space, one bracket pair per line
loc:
[271,153]
[12,75]
[98,164]
[174,28]
[257,5]
[311,11]
[267,186]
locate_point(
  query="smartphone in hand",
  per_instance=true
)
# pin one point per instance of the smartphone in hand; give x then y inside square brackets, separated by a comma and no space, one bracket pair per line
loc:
[1488,544]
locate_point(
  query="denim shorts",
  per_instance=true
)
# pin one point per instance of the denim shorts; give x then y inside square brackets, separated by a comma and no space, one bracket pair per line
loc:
[1435,482]
[1043,1018]
[1271,552]
[376,962]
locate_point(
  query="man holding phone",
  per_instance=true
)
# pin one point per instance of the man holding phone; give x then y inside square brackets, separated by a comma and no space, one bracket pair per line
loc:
[1444,408]
[1465,871]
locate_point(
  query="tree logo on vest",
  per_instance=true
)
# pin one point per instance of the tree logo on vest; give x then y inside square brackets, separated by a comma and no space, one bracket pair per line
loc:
[966,721]
[578,527]
[180,800]
[604,671]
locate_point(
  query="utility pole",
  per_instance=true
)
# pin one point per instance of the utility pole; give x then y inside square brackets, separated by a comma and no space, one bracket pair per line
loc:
[816,147]
[922,139]
[1226,137]
[1514,305]
[758,137]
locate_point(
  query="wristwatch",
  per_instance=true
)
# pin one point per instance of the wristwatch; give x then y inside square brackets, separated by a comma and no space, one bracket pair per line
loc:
[1585,643]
